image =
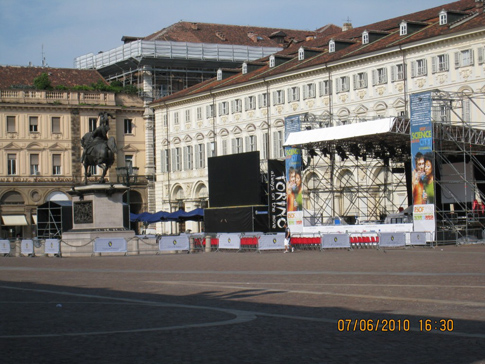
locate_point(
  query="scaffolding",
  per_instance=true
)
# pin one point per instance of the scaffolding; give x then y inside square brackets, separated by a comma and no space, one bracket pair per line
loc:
[363,180]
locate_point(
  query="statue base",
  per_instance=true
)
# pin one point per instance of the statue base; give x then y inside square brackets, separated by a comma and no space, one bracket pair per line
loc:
[98,212]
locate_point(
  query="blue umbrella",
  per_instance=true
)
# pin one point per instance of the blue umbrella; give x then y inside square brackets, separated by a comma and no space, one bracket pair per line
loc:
[194,215]
[157,217]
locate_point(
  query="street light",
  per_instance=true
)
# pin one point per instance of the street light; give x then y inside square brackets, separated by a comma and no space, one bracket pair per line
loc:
[127,176]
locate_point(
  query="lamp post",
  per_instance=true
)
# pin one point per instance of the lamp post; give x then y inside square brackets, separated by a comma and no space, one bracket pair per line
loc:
[127,176]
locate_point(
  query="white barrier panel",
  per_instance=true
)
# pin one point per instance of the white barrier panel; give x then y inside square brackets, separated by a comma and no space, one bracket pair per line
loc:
[4,247]
[271,242]
[27,246]
[52,246]
[114,245]
[335,241]
[418,238]
[229,241]
[171,243]
[392,239]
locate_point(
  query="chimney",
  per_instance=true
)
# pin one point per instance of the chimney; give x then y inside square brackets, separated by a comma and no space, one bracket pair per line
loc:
[479,5]
[195,26]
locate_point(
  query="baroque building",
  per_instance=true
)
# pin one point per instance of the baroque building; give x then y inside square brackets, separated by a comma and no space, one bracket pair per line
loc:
[355,75]
[40,140]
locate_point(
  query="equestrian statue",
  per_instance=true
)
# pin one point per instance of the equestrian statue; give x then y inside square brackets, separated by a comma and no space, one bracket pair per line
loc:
[99,150]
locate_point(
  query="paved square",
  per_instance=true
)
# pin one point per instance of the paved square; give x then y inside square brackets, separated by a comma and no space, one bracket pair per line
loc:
[360,306]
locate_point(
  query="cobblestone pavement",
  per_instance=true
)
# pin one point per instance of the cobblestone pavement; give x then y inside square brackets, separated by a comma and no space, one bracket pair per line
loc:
[360,306]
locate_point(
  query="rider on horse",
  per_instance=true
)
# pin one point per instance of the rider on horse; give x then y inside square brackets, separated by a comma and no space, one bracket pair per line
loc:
[98,135]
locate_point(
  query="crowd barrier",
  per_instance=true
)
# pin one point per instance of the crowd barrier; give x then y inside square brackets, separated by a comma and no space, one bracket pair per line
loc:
[212,242]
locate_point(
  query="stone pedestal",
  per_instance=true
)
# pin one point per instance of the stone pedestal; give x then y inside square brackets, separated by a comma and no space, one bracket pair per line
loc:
[97,213]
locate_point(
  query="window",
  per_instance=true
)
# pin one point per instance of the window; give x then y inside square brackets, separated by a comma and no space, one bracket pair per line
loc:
[250,103]
[272,61]
[11,124]
[343,84]
[199,113]
[301,54]
[325,87]
[441,113]
[309,91]
[379,76]
[365,37]
[11,164]
[224,108]
[440,63]
[466,111]
[176,118]
[481,55]
[165,160]
[293,94]
[251,145]
[236,105]
[360,80]
[128,126]
[56,164]
[176,160]
[187,116]
[265,145]
[199,156]
[210,111]
[33,124]
[34,164]
[244,68]
[56,125]
[129,163]
[403,28]
[419,68]
[188,158]
[464,58]
[331,46]
[263,100]
[443,17]
[211,149]
[278,140]
[278,97]
[224,147]
[237,145]
[92,124]
[397,72]
[219,75]
[165,120]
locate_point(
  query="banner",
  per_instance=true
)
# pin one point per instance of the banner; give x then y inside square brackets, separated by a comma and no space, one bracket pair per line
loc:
[4,247]
[424,218]
[27,247]
[392,239]
[52,246]
[272,242]
[277,195]
[423,161]
[335,241]
[170,243]
[114,245]
[229,241]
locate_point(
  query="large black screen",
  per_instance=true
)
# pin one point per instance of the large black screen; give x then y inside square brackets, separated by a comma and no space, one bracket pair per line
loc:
[234,180]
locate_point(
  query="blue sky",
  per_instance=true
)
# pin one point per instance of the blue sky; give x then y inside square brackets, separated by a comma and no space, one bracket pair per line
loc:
[64,29]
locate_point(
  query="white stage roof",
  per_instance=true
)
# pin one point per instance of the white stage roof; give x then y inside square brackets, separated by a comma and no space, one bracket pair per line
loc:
[379,126]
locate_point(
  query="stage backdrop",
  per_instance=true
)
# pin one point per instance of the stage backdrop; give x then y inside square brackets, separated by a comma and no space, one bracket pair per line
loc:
[234,180]
[236,219]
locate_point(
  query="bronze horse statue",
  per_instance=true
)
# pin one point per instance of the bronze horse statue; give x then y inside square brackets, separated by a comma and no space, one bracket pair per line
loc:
[99,150]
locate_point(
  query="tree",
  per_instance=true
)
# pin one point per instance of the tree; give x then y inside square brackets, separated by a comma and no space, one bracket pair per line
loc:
[42,82]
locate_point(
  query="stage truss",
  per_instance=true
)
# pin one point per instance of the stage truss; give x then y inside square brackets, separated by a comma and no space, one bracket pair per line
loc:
[368,178]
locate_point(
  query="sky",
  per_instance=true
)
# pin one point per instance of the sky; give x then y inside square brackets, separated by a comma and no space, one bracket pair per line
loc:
[58,31]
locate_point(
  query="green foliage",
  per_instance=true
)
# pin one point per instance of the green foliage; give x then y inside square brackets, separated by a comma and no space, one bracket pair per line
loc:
[42,82]
[61,88]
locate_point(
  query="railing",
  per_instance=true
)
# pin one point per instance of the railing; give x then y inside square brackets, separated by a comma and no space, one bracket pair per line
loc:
[60,97]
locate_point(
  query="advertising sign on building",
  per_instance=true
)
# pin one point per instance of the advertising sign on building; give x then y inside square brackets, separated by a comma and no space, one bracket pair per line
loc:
[423,162]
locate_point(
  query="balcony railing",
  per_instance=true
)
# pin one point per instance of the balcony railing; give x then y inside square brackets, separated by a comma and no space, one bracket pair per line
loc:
[57,97]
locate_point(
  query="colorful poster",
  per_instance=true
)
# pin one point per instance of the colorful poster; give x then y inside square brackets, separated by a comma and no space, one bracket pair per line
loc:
[294,180]
[277,195]
[423,161]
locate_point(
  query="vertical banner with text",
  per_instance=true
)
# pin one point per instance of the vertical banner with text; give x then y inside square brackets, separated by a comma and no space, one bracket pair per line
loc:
[423,163]
[277,195]
[294,180]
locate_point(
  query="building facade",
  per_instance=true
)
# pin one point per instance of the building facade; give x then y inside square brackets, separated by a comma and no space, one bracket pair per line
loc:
[356,75]
[40,141]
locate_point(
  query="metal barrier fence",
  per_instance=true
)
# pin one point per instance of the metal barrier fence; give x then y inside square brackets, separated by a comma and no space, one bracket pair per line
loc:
[191,243]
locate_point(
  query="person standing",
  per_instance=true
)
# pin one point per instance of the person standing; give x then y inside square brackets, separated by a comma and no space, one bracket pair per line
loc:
[288,246]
